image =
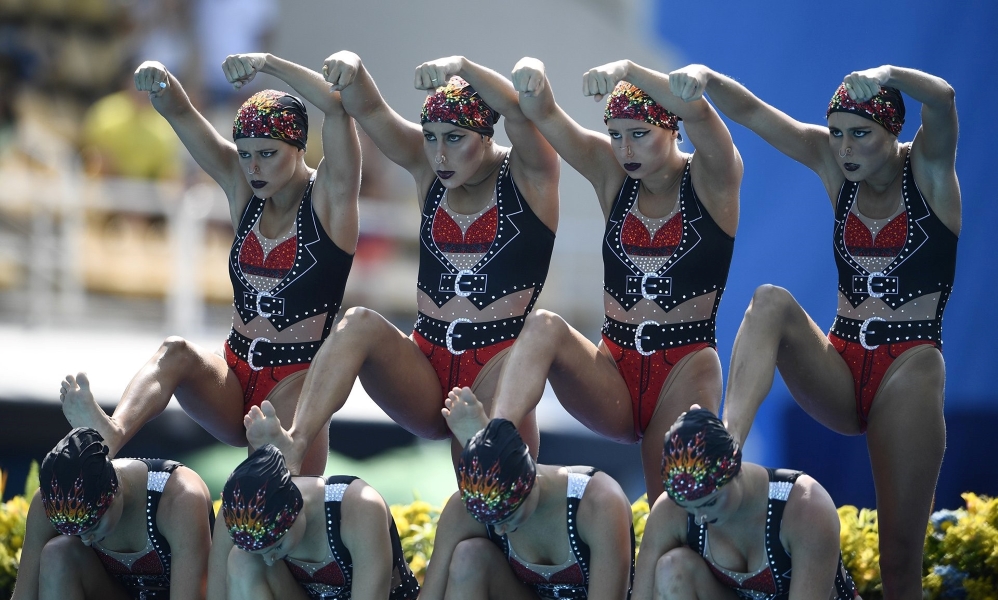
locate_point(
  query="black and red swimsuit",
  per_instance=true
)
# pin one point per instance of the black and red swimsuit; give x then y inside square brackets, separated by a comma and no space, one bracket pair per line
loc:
[920,256]
[332,579]
[515,250]
[146,574]
[772,582]
[312,273]
[570,580]
[697,255]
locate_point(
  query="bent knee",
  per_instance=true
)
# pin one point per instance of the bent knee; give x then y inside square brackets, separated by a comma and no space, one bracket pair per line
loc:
[359,321]
[771,297]
[470,559]
[770,302]
[177,352]
[676,570]
[62,553]
[543,322]
[239,564]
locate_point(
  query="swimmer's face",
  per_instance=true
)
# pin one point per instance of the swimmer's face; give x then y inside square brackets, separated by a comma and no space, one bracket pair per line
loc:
[107,523]
[641,148]
[267,164]
[714,508]
[455,154]
[862,147]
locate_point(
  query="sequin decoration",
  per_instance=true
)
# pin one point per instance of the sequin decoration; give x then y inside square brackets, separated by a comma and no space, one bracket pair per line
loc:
[485,496]
[272,114]
[265,269]
[627,101]
[886,108]
[688,474]
[479,236]
[145,562]
[249,525]
[646,250]
[875,253]
[318,577]
[459,104]
[70,512]
[532,574]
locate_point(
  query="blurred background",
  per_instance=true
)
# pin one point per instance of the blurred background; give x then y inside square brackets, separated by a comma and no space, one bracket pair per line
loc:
[111,238]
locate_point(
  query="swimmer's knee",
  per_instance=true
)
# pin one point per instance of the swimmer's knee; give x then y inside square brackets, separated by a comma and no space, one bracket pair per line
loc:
[543,322]
[177,351]
[470,559]
[359,321]
[239,564]
[61,554]
[676,570]
[770,303]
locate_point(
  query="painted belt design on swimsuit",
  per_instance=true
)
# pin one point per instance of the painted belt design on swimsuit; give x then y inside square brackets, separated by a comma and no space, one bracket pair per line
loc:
[464,334]
[875,331]
[261,352]
[649,286]
[876,284]
[266,306]
[464,283]
[651,336]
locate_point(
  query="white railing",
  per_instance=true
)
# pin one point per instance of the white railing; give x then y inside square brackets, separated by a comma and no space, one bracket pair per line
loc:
[50,248]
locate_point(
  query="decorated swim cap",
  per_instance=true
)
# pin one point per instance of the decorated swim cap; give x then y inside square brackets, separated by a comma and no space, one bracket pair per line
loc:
[459,104]
[699,456]
[629,102]
[272,114]
[259,501]
[77,482]
[885,108]
[495,472]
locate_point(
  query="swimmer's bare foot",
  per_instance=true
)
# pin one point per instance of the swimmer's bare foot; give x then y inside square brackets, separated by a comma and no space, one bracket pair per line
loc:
[82,410]
[263,427]
[464,413]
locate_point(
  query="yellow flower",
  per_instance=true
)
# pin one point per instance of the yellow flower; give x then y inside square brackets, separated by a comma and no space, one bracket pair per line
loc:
[860,542]
[639,517]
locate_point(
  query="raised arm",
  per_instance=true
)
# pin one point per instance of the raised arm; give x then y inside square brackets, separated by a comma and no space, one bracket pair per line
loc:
[664,531]
[183,519]
[365,533]
[810,533]
[934,149]
[587,151]
[37,532]
[803,142]
[454,526]
[399,139]
[717,173]
[337,183]
[534,162]
[213,153]
[605,526]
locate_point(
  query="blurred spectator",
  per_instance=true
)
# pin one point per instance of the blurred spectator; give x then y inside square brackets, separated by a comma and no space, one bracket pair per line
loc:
[124,136]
